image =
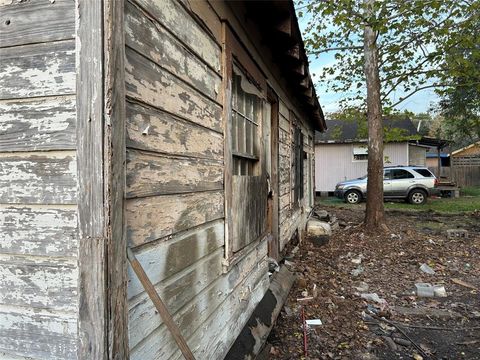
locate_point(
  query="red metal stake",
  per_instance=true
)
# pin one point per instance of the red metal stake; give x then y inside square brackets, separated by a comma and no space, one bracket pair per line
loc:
[305,346]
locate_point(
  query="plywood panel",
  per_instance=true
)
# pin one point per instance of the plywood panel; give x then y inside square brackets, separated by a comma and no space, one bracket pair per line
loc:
[154,130]
[155,42]
[38,230]
[46,283]
[152,218]
[173,16]
[38,178]
[37,334]
[147,82]
[149,174]
[46,124]
[37,70]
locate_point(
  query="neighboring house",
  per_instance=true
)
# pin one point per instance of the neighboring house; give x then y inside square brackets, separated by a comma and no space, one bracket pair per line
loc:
[341,152]
[182,129]
[440,168]
[465,165]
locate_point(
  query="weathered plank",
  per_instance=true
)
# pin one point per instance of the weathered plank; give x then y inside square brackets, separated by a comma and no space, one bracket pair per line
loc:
[284,123]
[167,258]
[147,82]
[249,209]
[177,291]
[284,200]
[36,21]
[47,124]
[37,334]
[283,109]
[38,178]
[154,130]
[38,230]
[173,16]
[213,341]
[37,70]
[152,218]
[193,317]
[149,175]
[155,42]
[38,282]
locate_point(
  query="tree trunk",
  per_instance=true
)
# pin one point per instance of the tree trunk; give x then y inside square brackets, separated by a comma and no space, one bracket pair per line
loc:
[375,215]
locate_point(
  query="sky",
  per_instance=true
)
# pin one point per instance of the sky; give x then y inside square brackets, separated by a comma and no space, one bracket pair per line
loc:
[417,103]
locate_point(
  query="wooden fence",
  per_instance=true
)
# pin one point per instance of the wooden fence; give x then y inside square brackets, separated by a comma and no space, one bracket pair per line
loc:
[465,171]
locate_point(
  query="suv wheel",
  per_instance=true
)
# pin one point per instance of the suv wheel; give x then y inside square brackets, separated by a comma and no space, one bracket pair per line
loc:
[353,197]
[417,197]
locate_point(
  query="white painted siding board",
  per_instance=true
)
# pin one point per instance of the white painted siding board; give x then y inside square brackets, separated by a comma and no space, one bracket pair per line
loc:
[37,70]
[38,230]
[34,124]
[37,334]
[38,178]
[38,282]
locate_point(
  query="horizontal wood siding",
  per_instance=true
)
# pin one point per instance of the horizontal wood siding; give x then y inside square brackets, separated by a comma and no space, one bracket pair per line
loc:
[175,187]
[38,180]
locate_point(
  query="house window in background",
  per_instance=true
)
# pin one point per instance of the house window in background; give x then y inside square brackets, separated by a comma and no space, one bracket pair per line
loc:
[246,117]
[360,153]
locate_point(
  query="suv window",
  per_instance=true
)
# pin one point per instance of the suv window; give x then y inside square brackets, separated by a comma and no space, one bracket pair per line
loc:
[424,172]
[401,174]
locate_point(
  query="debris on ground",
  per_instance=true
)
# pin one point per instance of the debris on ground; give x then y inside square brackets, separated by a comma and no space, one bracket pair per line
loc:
[363,288]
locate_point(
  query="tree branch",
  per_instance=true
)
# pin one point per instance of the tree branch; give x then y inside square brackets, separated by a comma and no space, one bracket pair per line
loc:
[341,48]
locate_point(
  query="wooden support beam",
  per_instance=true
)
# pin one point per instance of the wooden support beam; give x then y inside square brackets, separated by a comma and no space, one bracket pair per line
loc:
[309,92]
[294,52]
[305,83]
[285,26]
[299,69]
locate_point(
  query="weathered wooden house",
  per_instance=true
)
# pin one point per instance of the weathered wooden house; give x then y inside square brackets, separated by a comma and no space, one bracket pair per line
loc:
[465,165]
[181,129]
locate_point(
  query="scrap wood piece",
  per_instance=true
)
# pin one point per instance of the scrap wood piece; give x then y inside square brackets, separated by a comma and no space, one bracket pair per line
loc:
[464,284]
[160,305]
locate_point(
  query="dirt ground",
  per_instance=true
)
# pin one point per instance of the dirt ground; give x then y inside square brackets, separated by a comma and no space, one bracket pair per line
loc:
[398,324]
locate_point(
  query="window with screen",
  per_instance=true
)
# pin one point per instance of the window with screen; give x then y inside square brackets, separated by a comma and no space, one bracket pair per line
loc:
[246,118]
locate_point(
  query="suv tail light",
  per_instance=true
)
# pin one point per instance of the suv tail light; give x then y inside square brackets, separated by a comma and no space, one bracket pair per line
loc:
[435,184]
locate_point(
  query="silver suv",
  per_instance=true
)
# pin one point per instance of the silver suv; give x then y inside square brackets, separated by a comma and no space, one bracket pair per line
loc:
[412,183]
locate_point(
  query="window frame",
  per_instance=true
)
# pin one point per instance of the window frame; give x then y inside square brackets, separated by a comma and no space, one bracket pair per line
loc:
[234,53]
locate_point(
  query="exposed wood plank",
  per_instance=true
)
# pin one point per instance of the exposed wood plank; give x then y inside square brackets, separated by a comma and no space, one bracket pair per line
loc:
[284,200]
[284,123]
[206,15]
[178,291]
[37,334]
[149,175]
[115,158]
[283,109]
[47,124]
[249,209]
[152,218]
[173,16]
[45,283]
[37,70]
[38,178]
[194,317]
[154,41]
[36,21]
[147,82]
[154,130]
[160,306]
[167,258]
[38,230]
[93,302]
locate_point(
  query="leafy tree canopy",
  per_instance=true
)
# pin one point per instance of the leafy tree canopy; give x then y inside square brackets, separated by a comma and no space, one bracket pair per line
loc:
[418,41]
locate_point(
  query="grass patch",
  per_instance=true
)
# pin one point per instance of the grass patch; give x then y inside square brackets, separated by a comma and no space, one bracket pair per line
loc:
[470,191]
[467,203]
